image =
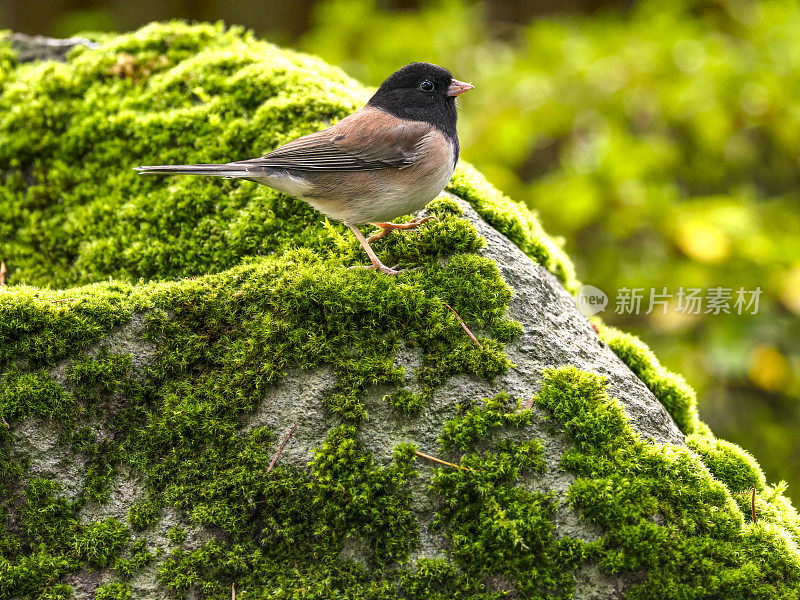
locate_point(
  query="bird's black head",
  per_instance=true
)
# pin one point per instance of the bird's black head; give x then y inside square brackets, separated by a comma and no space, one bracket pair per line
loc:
[422,92]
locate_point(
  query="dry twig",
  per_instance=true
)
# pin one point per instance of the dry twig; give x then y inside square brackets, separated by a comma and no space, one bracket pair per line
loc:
[464,326]
[61,300]
[283,443]
[2,273]
[444,462]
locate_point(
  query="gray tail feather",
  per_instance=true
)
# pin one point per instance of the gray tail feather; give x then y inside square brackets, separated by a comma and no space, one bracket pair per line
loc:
[223,170]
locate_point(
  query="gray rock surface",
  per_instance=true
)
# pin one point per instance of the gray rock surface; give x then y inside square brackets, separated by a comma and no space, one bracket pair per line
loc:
[31,48]
[555,333]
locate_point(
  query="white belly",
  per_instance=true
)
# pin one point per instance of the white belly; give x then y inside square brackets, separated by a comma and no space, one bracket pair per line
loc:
[385,202]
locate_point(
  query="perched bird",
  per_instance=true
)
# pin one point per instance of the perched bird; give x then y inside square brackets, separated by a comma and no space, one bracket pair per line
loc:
[387,159]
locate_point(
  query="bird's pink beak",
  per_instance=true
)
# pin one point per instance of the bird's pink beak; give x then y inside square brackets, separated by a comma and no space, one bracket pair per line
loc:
[458,87]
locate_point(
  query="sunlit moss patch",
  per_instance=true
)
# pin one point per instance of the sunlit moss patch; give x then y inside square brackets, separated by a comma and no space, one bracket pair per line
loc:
[665,517]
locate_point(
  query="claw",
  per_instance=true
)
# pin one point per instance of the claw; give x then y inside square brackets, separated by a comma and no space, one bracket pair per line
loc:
[382,268]
[387,228]
[373,258]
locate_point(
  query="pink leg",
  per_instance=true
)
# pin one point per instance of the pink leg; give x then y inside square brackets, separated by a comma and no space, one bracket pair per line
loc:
[376,262]
[387,228]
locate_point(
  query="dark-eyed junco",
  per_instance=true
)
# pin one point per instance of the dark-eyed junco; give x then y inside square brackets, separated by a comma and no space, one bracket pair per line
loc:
[388,159]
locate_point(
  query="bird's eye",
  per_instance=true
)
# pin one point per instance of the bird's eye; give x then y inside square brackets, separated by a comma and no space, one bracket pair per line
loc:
[426,85]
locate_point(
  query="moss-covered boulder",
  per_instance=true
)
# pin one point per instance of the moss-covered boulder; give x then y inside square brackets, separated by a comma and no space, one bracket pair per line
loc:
[199,396]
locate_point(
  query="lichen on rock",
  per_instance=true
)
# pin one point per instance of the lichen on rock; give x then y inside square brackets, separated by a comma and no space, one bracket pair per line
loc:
[159,338]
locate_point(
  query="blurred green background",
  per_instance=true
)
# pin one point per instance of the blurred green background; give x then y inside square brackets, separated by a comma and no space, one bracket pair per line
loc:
[661,140]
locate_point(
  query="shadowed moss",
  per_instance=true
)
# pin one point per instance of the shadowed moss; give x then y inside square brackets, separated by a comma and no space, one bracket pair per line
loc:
[53,543]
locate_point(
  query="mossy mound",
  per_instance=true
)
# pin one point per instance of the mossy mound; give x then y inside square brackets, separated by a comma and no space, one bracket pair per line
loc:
[219,290]
[74,210]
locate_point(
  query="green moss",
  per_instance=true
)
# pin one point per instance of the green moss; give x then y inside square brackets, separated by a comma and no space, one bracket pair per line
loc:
[101,457]
[444,206]
[113,591]
[144,512]
[353,494]
[664,516]
[40,326]
[464,431]
[57,592]
[48,519]
[406,401]
[54,543]
[99,543]
[437,579]
[729,463]
[496,527]
[11,470]
[177,535]
[139,557]
[97,378]
[302,521]
[34,573]
[23,393]
[8,57]
[307,518]
[507,330]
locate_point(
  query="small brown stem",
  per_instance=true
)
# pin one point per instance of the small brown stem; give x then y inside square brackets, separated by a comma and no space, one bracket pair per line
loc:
[61,300]
[283,443]
[2,273]
[753,506]
[233,591]
[464,326]
[5,423]
[444,462]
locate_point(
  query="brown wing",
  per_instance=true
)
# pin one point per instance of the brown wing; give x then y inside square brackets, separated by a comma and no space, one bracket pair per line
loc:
[366,140]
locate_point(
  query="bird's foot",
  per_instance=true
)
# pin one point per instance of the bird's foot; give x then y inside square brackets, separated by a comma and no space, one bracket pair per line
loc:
[380,267]
[387,228]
